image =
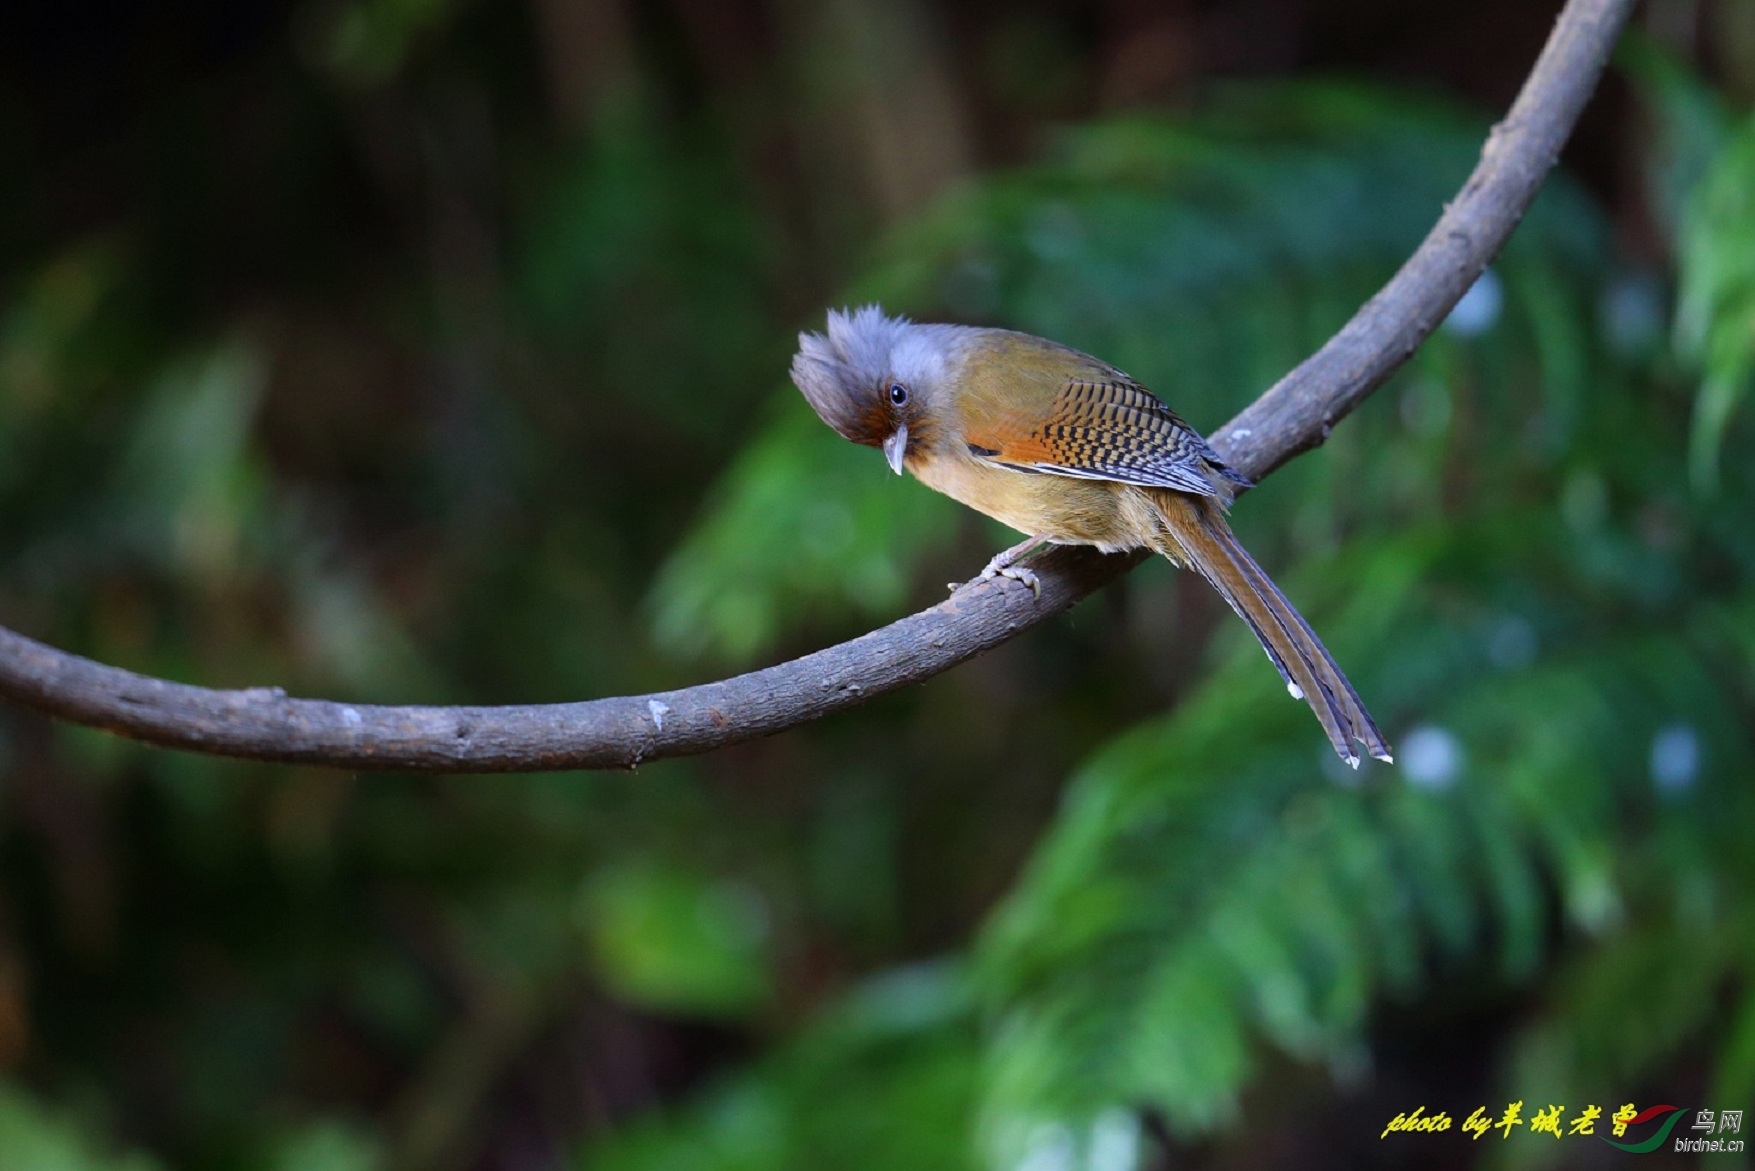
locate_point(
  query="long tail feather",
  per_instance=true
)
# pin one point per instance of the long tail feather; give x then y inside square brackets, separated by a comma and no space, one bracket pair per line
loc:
[1199,537]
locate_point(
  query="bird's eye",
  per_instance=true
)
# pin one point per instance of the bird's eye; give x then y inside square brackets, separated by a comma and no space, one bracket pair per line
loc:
[898,394]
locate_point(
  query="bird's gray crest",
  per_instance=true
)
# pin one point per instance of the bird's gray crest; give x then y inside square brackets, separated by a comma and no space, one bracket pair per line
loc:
[840,373]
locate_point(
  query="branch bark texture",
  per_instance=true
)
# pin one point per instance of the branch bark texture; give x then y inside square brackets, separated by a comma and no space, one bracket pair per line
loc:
[1295,415]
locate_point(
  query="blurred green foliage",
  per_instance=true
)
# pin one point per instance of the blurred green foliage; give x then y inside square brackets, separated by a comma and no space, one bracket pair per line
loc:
[884,1079]
[1715,314]
[31,1137]
[669,939]
[542,448]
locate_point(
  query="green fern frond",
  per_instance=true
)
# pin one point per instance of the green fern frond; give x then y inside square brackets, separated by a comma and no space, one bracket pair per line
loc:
[1209,890]
[1715,314]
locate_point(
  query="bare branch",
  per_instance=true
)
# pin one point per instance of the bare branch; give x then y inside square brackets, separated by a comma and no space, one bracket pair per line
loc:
[1295,415]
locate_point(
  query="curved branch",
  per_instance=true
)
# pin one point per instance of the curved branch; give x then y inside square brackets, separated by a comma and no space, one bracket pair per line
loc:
[1294,415]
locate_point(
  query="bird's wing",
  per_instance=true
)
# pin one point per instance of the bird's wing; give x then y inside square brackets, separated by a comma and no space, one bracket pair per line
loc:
[1108,428]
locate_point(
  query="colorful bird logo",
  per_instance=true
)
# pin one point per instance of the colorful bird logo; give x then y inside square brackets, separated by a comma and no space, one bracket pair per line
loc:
[1657,1139]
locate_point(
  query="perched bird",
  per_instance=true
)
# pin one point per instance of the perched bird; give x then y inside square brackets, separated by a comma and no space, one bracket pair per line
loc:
[1070,451]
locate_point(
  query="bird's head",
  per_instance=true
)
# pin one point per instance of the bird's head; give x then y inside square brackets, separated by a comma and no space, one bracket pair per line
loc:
[879,380]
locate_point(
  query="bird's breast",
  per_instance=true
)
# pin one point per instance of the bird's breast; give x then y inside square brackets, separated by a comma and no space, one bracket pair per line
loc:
[1066,510]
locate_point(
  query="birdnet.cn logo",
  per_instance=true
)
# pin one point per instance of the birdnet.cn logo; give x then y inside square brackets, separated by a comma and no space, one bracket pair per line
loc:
[1631,1128]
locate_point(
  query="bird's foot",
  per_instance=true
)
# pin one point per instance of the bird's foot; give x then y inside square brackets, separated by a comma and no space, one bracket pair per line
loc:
[1004,564]
[1016,572]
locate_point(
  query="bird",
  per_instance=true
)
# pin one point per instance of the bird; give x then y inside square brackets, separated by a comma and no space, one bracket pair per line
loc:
[1067,450]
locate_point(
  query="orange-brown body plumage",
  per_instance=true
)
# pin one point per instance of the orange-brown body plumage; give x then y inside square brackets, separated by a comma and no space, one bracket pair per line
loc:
[1066,449]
